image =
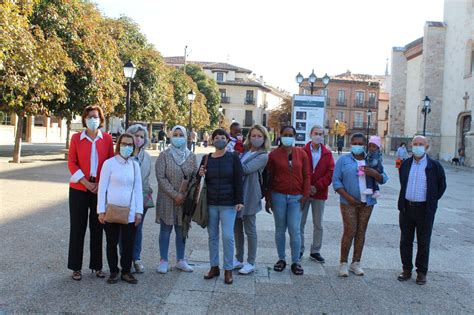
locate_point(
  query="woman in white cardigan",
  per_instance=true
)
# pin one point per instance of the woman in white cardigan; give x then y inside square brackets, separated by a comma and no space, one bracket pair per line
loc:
[121,185]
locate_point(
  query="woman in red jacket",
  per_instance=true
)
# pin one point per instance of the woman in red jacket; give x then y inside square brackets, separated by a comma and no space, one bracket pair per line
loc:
[322,168]
[289,172]
[88,151]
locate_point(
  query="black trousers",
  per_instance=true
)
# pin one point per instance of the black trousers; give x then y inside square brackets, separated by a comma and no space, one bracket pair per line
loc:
[415,219]
[83,206]
[125,233]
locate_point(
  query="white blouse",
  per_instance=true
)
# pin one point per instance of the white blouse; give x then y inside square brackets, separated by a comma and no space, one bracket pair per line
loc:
[115,186]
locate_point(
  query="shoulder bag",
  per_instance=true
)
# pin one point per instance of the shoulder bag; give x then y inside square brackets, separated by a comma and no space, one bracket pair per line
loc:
[119,214]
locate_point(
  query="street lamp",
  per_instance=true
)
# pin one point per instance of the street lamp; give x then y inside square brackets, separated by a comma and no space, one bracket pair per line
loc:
[426,110]
[369,115]
[312,80]
[191,97]
[129,70]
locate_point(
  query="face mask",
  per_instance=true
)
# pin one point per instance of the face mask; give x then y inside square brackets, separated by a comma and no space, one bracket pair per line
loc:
[257,142]
[93,123]
[357,149]
[139,142]
[178,142]
[287,141]
[125,152]
[220,144]
[418,150]
[317,139]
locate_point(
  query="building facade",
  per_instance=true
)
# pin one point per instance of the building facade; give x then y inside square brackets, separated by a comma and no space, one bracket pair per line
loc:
[351,98]
[245,98]
[439,65]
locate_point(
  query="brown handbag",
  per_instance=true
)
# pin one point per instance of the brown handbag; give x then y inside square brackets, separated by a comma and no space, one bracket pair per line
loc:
[119,214]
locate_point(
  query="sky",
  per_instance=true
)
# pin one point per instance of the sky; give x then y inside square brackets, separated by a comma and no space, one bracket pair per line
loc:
[278,39]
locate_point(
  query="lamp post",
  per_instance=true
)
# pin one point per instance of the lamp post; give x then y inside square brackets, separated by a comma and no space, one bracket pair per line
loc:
[369,115]
[312,80]
[191,97]
[129,70]
[426,110]
[336,133]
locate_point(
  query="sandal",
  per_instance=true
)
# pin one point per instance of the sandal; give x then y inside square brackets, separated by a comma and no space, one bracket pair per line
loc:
[297,269]
[77,275]
[99,274]
[280,265]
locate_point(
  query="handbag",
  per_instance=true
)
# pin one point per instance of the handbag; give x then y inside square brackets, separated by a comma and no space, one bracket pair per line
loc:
[195,205]
[119,214]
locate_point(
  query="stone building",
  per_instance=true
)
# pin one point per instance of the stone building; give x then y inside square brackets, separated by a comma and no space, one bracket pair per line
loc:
[439,65]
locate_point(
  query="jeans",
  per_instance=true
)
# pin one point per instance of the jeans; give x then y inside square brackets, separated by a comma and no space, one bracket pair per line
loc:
[137,247]
[317,209]
[193,146]
[287,214]
[164,240]
[161,145]
[415,219]
[114,231]
[355,220]
[226,214]
[247,222]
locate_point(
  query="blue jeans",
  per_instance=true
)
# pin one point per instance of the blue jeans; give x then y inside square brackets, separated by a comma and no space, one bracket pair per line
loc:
[137,247]
[226,214]
[164,240]
[287,214]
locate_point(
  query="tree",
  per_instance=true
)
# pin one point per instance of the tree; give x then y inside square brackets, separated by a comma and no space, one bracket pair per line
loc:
[210,89]
[281,115]
[33,66]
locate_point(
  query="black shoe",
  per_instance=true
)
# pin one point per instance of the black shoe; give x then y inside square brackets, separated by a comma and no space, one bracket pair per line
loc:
[404,276]
[113,278]
[317,257]
[420,278]
[129,278]
[297,269]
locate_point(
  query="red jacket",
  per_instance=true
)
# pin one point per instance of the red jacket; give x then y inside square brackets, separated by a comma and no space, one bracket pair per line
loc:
[322,175]
[285,181]
[79,157]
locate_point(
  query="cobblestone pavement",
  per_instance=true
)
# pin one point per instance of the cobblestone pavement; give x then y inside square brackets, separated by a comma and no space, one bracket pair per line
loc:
[34,227]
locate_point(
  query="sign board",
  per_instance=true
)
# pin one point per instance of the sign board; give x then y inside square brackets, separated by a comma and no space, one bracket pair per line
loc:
[308,110]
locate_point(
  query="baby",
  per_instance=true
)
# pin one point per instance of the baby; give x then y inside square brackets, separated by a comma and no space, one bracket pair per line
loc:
[373,160]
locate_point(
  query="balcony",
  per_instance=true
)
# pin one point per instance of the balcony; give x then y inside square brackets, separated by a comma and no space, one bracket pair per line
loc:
[341,102]
[363,126]
[366,104]
[225,99]
[249,101]
[359,103]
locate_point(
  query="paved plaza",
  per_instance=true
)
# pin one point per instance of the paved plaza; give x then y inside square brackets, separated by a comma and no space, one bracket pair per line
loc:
[34,230]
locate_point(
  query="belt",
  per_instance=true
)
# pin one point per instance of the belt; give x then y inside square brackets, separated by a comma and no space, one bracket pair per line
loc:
[415,203]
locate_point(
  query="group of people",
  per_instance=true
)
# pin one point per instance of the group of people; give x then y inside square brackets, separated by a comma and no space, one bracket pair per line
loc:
[238,176]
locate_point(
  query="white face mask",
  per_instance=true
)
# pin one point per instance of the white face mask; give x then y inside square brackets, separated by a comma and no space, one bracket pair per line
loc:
[317,139]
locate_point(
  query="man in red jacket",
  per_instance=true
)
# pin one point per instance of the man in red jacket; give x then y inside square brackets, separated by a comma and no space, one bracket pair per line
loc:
[322,168]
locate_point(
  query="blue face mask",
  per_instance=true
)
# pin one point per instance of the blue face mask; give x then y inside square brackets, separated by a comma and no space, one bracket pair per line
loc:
[220,144]
[93,123]
[418,150]
[125,152]
[287,141]
[178,142]
[357,149]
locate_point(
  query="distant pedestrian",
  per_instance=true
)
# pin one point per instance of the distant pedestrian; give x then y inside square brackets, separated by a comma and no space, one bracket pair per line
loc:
[422,184]
[142,157]
[356,207]
[340,144]
[224,199]
[462,155]
[193,139]
[121,185]
[253,162]
[88,151]
[402,153]
[322,169]
[290,179]
[205,138]
[161,140]
[175,168]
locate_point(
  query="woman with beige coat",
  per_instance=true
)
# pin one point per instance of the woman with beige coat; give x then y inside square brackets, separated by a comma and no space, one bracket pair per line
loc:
[175,168]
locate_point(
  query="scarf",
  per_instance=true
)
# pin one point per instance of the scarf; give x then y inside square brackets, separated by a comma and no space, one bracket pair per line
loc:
[180,155]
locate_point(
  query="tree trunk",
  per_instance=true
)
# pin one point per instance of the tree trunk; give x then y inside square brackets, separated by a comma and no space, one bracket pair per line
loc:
[68,131]
[150,133]
[19,132]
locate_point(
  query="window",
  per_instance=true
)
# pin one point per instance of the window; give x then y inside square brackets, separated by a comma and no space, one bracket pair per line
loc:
[249,100]
[248,118]
[264,120]
[472,62]
[359,101]
[5,118]
[224,98]
[39,121]
[371,98]
[324,92]
[341,98]
[220,77]
[340,116]
[358,120]
[223,92]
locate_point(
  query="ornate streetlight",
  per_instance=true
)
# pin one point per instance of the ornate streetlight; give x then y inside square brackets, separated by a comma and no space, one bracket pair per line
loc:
[425,110]
[129,70]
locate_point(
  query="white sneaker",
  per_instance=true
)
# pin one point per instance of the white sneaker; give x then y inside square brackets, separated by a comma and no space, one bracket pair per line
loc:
[139,268]
[368,191]
[162,267]
[237,264]
[184,266]
[343,270]
[356,269]
[246,269]
[376,194]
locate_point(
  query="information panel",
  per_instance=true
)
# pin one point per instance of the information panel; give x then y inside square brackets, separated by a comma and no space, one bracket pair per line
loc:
[308,110]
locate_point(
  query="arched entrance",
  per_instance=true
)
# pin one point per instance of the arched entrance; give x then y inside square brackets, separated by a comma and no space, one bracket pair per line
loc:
[464,126]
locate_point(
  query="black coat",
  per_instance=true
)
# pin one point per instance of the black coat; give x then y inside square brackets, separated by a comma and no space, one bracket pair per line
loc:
[436,184]
[224,180]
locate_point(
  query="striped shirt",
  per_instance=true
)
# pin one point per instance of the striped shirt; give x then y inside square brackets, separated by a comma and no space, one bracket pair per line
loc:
[417,185]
